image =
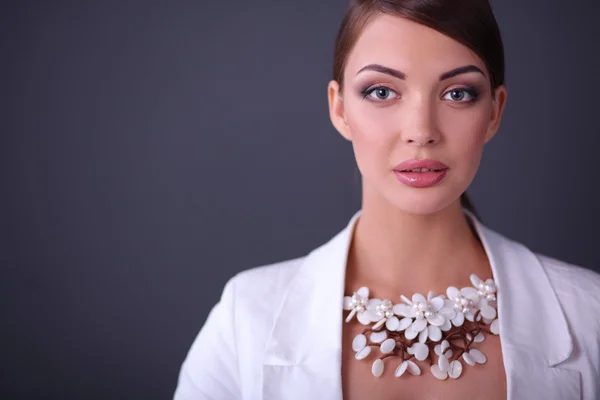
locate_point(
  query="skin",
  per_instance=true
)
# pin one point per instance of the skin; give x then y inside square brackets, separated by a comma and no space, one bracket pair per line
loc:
[402,241]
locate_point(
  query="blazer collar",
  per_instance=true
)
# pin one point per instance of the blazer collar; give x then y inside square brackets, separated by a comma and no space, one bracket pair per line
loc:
[532,323]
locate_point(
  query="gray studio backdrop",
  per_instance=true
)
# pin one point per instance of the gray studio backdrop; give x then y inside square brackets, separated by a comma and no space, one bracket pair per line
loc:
[151,150]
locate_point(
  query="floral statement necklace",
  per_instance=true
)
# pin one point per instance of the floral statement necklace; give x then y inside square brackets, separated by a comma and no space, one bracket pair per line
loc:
[447,325]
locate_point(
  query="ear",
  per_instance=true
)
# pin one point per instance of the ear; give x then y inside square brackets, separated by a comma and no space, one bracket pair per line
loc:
[497,109]
[336,110]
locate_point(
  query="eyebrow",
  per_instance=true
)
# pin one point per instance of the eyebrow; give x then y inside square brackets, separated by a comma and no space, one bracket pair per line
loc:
[401,75]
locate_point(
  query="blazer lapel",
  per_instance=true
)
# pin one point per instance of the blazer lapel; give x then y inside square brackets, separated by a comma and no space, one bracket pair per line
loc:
[534,332]
[303,353]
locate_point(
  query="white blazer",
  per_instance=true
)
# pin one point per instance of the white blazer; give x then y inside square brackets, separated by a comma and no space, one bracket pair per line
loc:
[276,333]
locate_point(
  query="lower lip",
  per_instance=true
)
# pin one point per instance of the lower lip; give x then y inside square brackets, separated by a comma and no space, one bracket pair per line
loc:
[420,179]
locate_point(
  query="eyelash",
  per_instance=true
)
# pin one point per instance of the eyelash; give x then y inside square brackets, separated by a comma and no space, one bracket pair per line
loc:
[469,90]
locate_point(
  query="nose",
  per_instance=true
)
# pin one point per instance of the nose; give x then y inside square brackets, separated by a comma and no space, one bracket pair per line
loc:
[421,127]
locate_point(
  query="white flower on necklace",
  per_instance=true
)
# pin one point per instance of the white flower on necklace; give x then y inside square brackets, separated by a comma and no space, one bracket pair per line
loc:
[463,303]
[380,312]
[468,300]
[487,289]
[423,317]
[487,292]
[357,304]
[487,297]
[426,318]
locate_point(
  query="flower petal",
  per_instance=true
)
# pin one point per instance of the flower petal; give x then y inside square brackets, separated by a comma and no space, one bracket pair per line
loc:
[379,323]
[475,280]
[443,363]
[419,325]
[430,295]
[413,368]
[363,291]
[423,335]
[393,323]
[436,319]
[417,298]
[421,351]
[359,342]
[406,300]
[470,316]
[488,312]
[435,333]
[447,326]
[404,323]
[402,310]
[459,319]
[363,353]
[435,371]
[364,318]
[347,303]
[377,368]
[445,345]
[452,292]
[372,315]
[455,369]
[378,337]
[470,293]
[373,303]
[388,346]
[437,303]
[351,315]
[468,359]
[448,313]
[410,334]
[495,327]
[478,356]
[401,369]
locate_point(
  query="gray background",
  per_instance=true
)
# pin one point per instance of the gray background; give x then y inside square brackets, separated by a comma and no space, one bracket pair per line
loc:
[152,150]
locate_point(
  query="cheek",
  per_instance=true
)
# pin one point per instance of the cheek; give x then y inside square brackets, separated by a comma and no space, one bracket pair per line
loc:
[465,132]
[372,132]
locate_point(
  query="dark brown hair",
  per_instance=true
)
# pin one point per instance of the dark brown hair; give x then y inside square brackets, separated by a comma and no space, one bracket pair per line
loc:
[470,22]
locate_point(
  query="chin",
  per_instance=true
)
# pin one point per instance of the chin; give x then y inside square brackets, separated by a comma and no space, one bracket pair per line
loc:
[424,201]
[422,209]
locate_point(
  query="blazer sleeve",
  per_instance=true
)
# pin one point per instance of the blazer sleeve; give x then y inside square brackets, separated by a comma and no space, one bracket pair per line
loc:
[210,369]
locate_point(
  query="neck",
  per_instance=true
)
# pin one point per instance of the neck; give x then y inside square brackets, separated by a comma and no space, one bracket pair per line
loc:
[395,250]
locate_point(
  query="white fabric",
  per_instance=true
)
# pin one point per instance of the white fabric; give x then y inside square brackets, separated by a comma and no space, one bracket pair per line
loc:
[276,332]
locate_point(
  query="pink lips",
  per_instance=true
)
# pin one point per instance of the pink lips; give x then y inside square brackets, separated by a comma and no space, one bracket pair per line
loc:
[420,179]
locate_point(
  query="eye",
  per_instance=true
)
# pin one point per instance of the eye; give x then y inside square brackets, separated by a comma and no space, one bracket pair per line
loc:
[380,93]
[461,95]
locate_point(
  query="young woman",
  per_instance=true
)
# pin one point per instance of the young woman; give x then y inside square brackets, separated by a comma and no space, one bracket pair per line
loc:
[415,298]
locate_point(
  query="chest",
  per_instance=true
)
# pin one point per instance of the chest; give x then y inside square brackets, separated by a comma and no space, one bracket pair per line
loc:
[486,380]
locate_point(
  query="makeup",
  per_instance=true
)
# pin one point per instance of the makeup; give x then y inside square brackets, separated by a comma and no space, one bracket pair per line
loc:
[420,173]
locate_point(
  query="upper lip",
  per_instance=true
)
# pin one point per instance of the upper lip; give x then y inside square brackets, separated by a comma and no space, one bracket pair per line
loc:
[424,163]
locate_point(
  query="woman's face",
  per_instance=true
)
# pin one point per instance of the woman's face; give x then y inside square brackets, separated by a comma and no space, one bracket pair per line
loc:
[426,111]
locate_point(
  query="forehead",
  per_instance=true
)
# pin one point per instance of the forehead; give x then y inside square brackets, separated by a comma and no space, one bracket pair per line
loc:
[408,46]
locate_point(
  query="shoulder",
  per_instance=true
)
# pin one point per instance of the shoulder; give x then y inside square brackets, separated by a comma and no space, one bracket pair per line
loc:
[577,289]
[574,281]
[271,279]
[256,293]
